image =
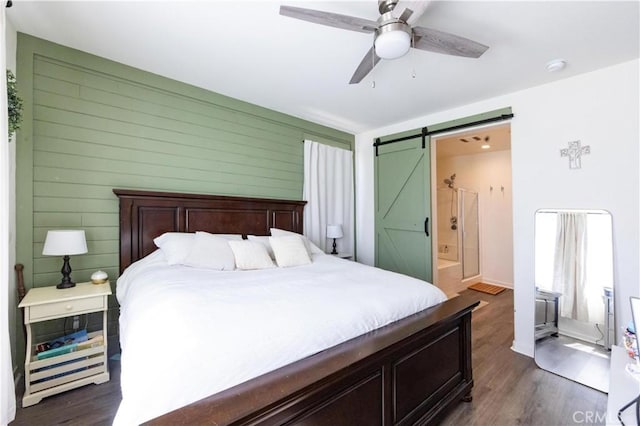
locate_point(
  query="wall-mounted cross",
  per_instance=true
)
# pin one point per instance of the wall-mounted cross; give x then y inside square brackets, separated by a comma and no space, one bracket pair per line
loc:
[575,152]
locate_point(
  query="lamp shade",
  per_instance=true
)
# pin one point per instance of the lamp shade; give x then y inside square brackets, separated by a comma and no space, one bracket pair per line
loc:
[334,231]
[64,242]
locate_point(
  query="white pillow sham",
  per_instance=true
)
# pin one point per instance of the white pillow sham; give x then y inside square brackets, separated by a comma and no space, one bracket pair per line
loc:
[250,255]
[311,248]
[237,237]
[211,251]
[264,240]
[175,246]
[289,251]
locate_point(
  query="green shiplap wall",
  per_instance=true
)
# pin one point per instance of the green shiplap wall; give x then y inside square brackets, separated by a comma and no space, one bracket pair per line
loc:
[92,125]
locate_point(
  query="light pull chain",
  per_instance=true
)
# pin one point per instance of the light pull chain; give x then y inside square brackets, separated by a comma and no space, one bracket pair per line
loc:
[373,64]
[413,44]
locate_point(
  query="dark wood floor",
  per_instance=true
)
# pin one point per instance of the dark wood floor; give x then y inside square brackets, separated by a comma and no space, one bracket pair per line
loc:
[509,388]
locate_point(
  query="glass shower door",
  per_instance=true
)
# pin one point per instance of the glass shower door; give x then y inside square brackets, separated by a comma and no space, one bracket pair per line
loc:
[470,233]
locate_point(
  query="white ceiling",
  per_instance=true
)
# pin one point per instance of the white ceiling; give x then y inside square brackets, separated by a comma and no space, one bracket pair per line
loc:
[497,137]
[246,50]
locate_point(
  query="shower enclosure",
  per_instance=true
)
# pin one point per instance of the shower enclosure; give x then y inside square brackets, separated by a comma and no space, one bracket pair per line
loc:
[458,234]
[469,233]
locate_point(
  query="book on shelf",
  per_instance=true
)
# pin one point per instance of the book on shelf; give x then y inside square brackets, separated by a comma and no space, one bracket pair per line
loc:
[72,347]
[75,337]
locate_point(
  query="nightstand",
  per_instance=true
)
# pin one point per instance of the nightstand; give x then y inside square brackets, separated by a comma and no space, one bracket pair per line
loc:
[61,373]
[347,256]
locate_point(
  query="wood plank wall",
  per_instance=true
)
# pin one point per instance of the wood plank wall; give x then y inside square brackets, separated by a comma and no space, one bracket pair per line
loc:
[92,125]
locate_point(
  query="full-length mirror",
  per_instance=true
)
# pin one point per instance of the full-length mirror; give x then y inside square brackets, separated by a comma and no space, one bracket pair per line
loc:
[574,323]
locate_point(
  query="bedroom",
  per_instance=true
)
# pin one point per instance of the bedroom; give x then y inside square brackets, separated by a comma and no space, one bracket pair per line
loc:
[578,106]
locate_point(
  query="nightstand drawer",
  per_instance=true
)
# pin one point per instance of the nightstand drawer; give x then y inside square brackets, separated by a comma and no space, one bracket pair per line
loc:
[66,308]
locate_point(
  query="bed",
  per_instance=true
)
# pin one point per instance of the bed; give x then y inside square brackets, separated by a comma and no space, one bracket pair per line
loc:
[396,369]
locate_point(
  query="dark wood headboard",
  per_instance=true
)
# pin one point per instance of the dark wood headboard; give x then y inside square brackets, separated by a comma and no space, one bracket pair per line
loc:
[145,215]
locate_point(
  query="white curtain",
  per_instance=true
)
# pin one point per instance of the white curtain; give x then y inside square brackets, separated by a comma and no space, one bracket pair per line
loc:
[328,190]
[569,270]
[7,387]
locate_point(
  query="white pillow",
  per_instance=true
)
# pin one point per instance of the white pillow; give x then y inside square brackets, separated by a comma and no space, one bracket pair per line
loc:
[212,252]
[311,248]
[290,251]
[176,246]
[264,240]
[237,237]
[250,255]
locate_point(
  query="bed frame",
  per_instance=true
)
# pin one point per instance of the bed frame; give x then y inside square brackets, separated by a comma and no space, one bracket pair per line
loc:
[410,372]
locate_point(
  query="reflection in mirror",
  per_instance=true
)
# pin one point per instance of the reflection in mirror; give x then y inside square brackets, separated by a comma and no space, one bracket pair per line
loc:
[574,324]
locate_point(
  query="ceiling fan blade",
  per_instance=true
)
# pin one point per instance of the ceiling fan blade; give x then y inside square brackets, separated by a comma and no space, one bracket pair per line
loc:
[417,9]
[330,19]
[369,61]
[441,42]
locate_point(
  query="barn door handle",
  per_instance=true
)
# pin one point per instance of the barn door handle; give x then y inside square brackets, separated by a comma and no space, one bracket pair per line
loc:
[426,226]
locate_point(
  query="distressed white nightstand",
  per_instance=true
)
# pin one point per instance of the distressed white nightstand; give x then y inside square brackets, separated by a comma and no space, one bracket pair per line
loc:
[61,373]
[348,256]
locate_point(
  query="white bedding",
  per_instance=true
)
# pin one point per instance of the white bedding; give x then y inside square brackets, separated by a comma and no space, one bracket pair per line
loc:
[187,333]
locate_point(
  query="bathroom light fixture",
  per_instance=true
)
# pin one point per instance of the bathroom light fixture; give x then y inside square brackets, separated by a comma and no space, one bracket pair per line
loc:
[556,65]
[393,40]
[485,145]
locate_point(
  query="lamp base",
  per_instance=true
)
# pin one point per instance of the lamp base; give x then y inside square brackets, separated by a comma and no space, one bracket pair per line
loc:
[334,247]
[66,275]
[66,285]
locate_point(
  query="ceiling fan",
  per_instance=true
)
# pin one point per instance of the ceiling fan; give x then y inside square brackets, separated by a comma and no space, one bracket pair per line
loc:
[393,33]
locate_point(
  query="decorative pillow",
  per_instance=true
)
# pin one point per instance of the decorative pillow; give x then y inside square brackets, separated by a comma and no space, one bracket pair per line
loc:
[314,249]
[311,248]
[250,255]
[290,251]
[264,240]
[212,252]
[237,237]
[176,246]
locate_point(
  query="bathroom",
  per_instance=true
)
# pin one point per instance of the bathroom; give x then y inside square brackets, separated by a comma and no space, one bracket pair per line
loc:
[473,238]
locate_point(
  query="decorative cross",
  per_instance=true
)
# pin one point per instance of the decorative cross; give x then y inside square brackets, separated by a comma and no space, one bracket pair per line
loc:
[575,152]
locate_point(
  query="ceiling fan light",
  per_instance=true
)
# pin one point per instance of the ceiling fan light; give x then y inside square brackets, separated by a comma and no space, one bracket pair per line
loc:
[393,41]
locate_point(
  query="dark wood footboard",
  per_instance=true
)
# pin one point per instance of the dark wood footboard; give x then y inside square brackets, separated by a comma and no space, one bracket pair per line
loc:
[409,372]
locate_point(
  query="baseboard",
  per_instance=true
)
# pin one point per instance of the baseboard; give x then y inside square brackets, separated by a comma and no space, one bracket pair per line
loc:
[527,349]
[498,283]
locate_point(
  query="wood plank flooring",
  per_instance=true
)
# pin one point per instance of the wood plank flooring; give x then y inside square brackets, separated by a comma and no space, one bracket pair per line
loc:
[509,388]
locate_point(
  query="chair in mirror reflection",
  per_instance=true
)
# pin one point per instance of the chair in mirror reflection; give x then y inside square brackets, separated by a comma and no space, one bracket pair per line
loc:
[574,319]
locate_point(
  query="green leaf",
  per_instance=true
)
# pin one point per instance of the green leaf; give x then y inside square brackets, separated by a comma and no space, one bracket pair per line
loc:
[14,103]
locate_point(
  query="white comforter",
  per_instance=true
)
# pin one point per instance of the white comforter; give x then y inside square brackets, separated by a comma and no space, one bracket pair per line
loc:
[187,333]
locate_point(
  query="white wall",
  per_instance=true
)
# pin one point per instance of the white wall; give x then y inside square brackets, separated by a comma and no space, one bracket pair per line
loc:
[480,172]
[601,109]
[11,48]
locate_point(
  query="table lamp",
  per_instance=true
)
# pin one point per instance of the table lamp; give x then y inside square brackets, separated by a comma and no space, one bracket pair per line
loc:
[65,243]
[334,231]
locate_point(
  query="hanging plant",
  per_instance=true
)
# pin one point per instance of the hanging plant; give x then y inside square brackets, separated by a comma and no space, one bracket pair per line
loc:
[15,104]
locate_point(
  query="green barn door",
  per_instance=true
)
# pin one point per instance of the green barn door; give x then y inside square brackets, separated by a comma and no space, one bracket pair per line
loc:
[403,206]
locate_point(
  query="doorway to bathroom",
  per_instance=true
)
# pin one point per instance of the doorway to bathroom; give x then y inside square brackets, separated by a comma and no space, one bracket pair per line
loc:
[472,208]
